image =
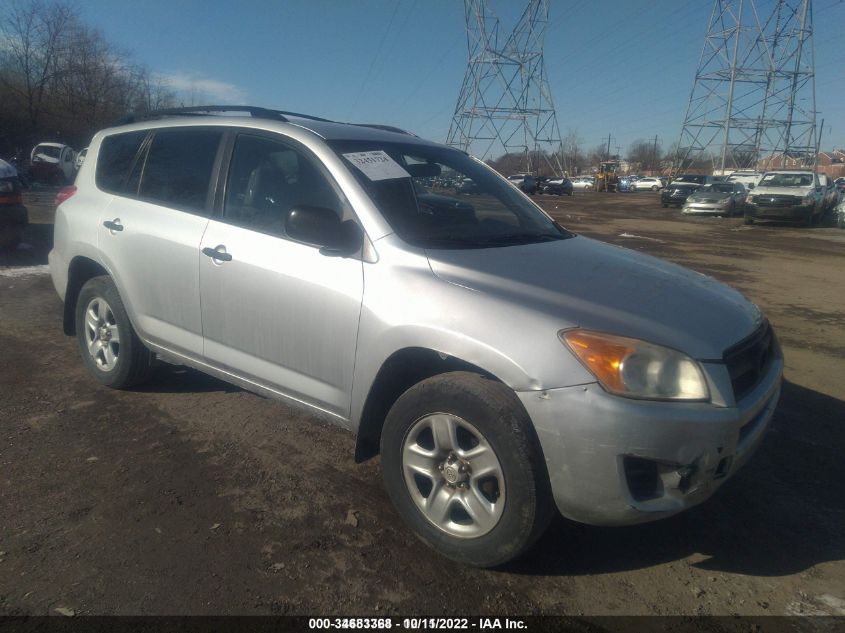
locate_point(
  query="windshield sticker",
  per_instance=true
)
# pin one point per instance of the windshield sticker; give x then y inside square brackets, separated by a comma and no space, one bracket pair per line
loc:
[377,165]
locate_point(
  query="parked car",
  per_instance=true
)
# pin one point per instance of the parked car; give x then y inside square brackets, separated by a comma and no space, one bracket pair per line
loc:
[584,183]
[525,182]
[829,193]
[625,185]
[677,192]
[644,184]
[718,198]
[467,185]
[80,157]
[52,163]
[13,214]
[501,365]
[839,214]
[747,177]
[558,187]
[788,196]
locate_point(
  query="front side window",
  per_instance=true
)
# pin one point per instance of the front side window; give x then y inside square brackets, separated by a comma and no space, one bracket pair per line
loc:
[267,179]
[178,168]
[438,197]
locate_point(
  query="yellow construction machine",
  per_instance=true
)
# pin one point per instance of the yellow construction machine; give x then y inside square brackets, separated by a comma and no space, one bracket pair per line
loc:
[606,179]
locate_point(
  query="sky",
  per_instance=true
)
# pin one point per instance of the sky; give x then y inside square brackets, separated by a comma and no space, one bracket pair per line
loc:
[618,67]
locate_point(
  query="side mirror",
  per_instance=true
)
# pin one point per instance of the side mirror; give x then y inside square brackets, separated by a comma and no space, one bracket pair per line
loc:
[322,227]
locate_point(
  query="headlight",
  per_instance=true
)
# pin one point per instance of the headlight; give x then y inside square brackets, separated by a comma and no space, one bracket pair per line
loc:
[636,369]
[724,203]
[6,185]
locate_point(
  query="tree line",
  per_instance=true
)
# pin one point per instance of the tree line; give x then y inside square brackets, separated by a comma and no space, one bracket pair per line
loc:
[642,156]
[61,80]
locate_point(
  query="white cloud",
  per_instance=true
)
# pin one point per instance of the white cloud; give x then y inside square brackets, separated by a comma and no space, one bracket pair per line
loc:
[196,89]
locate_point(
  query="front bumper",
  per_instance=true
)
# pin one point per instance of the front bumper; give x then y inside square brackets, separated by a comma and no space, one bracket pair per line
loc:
[796,213]
[704,207]
[618,461]
[670,199]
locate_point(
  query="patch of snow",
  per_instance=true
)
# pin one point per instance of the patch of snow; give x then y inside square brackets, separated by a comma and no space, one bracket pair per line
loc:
[23,271]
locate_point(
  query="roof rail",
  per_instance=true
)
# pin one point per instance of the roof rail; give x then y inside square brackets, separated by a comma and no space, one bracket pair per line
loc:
[386,128]
[259,113]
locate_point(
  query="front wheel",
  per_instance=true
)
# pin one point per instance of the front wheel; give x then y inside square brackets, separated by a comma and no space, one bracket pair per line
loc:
[748,219]
[464,469]
[654,188]
[110,348]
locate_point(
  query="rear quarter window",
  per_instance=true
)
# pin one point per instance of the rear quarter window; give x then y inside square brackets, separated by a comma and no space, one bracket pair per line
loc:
[115,158]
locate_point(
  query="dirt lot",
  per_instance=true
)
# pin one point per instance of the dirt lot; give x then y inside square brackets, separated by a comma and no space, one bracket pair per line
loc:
[191,496]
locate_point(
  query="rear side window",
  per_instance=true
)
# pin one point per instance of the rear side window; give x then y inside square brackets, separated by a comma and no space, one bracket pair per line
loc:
[117,152]
[178,168]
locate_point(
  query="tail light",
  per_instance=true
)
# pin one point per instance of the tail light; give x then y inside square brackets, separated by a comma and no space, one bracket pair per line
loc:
[11,198]
[64,194]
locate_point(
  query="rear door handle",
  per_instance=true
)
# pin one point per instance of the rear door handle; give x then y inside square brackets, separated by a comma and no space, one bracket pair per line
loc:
[221,256]
[113,225]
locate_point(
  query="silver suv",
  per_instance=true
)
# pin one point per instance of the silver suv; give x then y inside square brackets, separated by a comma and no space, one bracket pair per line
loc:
[501,365]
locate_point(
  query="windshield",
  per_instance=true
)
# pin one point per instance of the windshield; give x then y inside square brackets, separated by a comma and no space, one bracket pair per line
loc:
[408,187]
[717,188]
[693,178]
[47,150]
[787,180]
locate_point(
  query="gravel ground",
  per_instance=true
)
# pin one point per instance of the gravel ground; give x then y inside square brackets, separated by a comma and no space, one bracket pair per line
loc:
[191,496]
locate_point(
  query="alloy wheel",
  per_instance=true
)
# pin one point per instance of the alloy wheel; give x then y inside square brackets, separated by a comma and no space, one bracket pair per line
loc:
[453,475]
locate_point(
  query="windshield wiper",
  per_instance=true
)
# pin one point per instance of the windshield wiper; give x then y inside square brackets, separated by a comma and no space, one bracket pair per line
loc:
[524,238]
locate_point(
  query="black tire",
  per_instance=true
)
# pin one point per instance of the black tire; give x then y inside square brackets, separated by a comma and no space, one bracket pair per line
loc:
[133,362]
[494,410]
[654,188]
[747,219]
[665,206]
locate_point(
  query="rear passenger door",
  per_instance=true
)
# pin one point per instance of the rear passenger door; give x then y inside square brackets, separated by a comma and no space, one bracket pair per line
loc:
[276,311]
[150,232]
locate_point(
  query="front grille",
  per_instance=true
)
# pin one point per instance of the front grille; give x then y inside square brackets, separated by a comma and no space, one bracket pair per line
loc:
[748,360]
[777,201]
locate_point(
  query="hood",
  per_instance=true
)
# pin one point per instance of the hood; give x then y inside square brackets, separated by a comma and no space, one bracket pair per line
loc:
[783,191]
[709,195]
[586,283]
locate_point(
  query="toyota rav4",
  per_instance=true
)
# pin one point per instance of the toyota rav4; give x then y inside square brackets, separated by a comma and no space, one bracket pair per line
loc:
[502,365]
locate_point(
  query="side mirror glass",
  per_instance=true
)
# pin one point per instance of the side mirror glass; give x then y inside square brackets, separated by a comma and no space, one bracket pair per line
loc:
[321,227]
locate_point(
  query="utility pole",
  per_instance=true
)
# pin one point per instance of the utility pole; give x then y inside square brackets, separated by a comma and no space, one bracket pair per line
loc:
[654,155]
[754,90]
[505,103]
[607,151]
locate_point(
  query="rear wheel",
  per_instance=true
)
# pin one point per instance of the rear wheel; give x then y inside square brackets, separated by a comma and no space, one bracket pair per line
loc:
[654,188]
[747,219]
[110,348]
[464,469]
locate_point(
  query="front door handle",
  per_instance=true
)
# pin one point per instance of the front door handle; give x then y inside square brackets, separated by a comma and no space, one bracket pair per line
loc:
[113,225]
[221,256]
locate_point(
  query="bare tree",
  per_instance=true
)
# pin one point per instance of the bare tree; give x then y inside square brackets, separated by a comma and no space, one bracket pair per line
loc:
[644,155]
[34,35]
[63,80]
[573,153]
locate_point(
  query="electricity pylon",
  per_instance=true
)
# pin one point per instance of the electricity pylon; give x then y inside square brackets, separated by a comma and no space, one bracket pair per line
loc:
[505,104]
[754,90]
